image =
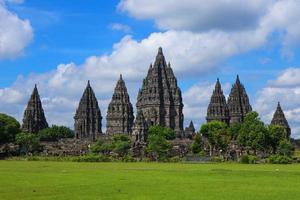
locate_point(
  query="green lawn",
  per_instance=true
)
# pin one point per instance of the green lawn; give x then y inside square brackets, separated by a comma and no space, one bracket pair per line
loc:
[70,181]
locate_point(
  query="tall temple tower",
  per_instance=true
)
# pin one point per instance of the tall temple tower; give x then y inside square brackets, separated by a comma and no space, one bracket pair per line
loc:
[279,119]
[88,116]
[217,108]
[119,117]
[238,102]
[34,118]
[160,98]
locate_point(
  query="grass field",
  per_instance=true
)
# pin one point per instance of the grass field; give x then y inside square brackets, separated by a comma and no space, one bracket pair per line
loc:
[69,180]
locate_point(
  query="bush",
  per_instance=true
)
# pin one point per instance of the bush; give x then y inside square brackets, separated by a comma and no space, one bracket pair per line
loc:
[216,159]
[285,148]
[197,144]
[9,128]
[55,132]
[175,159]
[29,143]
[279,159]
[92,158]
[244,159]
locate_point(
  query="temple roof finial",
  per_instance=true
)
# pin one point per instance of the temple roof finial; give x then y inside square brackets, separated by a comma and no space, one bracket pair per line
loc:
[160,51]
[121,78]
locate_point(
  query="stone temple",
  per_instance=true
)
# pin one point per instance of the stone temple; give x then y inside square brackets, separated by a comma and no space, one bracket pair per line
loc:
[160,98]
[238,103]
[217,108]
[88,116]
[236,108]
[119,117]
[34,118]
[279,119]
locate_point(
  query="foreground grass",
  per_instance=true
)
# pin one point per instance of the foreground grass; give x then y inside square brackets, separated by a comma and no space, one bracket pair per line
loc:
[67,180]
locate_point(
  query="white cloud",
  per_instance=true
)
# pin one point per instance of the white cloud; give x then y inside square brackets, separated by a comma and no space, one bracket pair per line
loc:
[121,27]
[15,33]
[285,89]
[198,15]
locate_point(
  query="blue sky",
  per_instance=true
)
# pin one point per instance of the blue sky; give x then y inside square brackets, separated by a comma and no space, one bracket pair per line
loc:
[61,44]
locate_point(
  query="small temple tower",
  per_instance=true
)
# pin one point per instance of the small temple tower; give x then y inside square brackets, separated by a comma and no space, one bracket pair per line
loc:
[119,119]
[139,133]
[88,116]
[279,119]
[217,108]
[34,118]
[189,131]
[238,102]
[160,98]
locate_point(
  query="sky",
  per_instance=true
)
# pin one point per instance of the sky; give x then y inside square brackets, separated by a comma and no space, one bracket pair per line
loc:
[59,45]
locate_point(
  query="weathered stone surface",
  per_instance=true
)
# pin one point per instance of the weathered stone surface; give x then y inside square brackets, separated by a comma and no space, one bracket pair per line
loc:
[119,119]
[160,98]
[189,131]
[279,119]
[238,102]
[217,108]
[34,118]
[139,133]
[88,116]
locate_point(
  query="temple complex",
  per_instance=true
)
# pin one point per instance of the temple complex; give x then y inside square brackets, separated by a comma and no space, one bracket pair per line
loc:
[34,118]
[279,119]
[119,117]
[160,98]
[88,116]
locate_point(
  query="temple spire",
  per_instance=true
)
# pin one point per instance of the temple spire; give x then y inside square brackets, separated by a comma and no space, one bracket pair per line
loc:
[280,119]
[88,116]
[217,108]
[238,102]
[160,97]
[119,119]
[34,118]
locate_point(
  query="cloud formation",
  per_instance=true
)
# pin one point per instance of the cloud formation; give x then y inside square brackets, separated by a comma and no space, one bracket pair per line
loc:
[15,33]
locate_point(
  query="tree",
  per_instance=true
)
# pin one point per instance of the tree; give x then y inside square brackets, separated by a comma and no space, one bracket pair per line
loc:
[167,133]
[9,128]
[276,134]
[253,133]
[197,144]
[234,130]
[285,148]
[158,145]
[29,143]
[121,144]
[217,135]
[55,132]
[102,147]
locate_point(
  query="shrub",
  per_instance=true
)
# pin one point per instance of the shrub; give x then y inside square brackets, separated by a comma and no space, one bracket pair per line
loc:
[279,159]
[285,148]
[92,158]
[55,132]
[197,144]
[29,143]
[101,146]
[9,128]
[175,159]
[216,159]
[244,159]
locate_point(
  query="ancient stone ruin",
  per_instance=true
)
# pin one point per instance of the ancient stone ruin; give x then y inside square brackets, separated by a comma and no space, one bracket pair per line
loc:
[34,118]
[279,119]
[88,116]
[232,111]
[217,108]
[160,98]
[119,119]
[238,102]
